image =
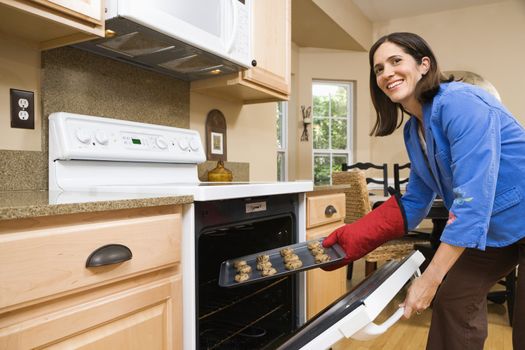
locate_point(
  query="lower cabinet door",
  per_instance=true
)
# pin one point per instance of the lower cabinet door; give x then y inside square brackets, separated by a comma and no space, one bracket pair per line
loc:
[323,287]
[145,317]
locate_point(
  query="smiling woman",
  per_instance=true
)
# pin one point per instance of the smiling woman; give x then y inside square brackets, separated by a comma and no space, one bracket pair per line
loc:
[465,147]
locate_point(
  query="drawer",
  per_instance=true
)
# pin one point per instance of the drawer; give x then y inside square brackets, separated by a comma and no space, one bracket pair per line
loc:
[320,209]
[39,263]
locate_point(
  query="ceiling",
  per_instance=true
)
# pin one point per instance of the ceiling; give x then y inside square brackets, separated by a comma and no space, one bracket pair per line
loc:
[383,10]
[312,27]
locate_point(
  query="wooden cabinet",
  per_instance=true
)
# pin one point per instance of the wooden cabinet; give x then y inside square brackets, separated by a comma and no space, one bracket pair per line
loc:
[49,299]
[269,80]
[52,23]
[324,213]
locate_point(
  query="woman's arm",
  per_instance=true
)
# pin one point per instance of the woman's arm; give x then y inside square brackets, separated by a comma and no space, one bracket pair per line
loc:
[423,289]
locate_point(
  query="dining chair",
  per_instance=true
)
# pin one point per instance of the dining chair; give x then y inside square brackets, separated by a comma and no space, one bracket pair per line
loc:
[367,166]
[398,181]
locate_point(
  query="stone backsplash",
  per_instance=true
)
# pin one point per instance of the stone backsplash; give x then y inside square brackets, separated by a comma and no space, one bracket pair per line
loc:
[77,81]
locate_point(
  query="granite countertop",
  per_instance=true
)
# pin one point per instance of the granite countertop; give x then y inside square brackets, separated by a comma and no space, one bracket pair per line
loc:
[27,204]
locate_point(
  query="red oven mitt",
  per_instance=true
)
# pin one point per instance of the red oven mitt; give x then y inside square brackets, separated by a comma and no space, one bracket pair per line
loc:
[386,222]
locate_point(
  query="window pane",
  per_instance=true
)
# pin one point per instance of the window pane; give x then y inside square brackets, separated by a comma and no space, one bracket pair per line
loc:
[321,106]
[339,137]
[279,130]
[320,131]
[338,160]
[322,169]
[340,102]
[280,166]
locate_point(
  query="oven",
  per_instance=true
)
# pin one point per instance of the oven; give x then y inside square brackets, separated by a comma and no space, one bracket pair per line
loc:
[254,316]
[92,158]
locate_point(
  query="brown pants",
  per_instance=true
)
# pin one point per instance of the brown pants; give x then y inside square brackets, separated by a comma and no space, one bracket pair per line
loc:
[459,312]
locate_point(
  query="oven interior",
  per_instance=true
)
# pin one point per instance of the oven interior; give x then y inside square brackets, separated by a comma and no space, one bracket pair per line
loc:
[254,316]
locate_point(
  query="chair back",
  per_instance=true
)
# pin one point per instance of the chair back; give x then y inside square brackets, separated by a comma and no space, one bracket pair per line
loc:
[365,166]
[398,180]
[357,201]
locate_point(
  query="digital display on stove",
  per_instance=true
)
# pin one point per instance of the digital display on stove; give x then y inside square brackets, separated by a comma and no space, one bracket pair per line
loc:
[136,141]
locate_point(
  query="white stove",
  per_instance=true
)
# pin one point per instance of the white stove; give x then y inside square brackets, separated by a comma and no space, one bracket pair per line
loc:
[94,158]
[94,154]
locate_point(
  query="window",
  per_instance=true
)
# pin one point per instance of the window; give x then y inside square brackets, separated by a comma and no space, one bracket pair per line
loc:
[332,128]
[282,141]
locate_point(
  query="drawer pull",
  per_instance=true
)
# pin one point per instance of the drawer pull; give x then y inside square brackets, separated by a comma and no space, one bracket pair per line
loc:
[330,210]
[108,255]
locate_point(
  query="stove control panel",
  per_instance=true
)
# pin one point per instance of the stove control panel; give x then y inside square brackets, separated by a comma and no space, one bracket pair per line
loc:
[75,136]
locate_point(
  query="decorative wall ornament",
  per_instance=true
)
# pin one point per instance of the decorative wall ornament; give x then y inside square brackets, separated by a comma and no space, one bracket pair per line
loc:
[216,136]
[307,120]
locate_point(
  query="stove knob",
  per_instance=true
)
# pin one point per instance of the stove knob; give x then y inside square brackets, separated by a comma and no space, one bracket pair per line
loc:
[183,144]
[162,143]
[83,136]
[194,145]
[102,137]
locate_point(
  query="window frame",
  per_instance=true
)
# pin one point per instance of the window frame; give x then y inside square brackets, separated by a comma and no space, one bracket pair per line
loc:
[349,125]
[283,150]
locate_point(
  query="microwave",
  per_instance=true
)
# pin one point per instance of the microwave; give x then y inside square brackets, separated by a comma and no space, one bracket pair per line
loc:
[190,39]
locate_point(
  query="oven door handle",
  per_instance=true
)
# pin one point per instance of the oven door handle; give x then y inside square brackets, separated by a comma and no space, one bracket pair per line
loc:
[372,330]
[108,255]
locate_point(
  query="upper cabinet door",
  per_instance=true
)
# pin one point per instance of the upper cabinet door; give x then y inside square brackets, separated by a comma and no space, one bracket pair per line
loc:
[271,45]
[87,9]
[269,80]
[52,23]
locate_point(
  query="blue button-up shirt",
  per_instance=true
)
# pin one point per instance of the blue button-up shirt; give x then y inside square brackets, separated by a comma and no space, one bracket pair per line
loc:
[476,163]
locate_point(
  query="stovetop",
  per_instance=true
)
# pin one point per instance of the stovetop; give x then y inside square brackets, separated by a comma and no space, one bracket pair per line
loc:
[90,154]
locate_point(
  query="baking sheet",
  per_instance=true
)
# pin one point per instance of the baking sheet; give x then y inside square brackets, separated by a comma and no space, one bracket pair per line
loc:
[228,271]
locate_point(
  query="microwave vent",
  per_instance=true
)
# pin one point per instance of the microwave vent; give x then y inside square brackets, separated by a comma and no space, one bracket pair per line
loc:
[135,44]
[192,64]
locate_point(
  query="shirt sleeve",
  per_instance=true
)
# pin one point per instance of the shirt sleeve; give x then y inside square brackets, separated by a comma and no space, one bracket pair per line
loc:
[417,200]
[472,129]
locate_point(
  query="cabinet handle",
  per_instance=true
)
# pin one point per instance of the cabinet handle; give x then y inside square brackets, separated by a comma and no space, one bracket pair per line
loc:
[254,63]
[330,210]
[108,255]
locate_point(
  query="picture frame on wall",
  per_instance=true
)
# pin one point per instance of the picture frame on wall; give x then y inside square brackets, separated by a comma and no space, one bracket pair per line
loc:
[216,136]
[217,142]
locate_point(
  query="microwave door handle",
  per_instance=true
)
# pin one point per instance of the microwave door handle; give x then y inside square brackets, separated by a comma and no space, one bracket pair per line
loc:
[235,15]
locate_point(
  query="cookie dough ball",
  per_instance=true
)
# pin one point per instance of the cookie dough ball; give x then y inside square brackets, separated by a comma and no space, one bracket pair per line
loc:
[286,251]
[264,265]
[263,258]
[293,265]
[241,277]
[239,263]
[317,251]
[244,269]
[321,258]
[268,272]
[290,257]
[314,244]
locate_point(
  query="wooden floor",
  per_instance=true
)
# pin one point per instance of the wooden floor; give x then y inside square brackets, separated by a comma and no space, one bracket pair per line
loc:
[412,334]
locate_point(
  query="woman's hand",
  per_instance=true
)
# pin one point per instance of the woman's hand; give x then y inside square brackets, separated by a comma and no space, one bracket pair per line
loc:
[423,289]
[419,296]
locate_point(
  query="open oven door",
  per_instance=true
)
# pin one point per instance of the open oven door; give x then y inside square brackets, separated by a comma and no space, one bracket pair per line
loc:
[352,315]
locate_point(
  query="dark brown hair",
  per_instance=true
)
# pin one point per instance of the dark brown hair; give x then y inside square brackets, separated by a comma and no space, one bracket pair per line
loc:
[388,118]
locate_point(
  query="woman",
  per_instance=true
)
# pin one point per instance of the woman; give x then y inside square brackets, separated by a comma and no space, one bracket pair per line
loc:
[467,148]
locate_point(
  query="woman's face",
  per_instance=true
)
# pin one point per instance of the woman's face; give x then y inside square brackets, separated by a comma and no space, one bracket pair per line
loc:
[397,73]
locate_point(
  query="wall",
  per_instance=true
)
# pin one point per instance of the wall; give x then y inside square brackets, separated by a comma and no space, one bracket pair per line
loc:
[331,65]
[79,82]
[251,132]
[19,69]
[487,40]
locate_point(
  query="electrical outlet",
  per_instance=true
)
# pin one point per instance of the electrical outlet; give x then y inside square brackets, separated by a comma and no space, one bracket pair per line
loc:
[22,109]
